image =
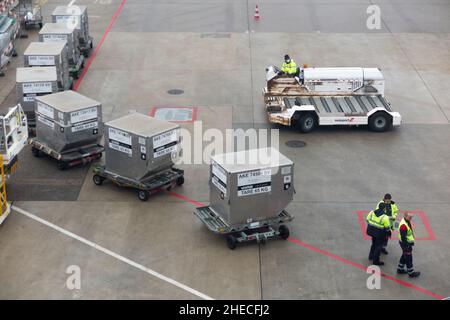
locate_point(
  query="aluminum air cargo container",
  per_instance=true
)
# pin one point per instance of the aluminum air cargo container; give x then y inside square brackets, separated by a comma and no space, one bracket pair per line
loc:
[59,32]
[67,120]
[137,146]
[249,186]
[75,17]
[33,82]
[44,54]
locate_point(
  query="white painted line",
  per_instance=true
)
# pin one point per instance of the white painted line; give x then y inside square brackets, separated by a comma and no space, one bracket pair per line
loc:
[113,254]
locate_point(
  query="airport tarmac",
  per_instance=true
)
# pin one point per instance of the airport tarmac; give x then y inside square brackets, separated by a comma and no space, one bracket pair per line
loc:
[217,53]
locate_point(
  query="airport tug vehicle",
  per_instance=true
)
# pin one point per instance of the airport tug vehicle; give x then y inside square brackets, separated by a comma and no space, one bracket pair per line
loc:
[328,97]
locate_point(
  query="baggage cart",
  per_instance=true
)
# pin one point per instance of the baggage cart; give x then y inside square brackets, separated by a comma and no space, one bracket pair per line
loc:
[70,158]
[146,186]
[259,231]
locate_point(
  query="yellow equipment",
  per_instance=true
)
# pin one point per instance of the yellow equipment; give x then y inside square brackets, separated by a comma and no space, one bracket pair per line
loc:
[5,206]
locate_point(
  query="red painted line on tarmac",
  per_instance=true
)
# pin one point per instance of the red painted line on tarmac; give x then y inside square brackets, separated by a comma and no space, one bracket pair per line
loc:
[99,45]
[362,267]
[333,256]
[180,196]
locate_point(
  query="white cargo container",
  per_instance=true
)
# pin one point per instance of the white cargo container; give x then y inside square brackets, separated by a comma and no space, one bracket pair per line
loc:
[59,32]
[44,54]
[138,146]
[75,17]
[32,82]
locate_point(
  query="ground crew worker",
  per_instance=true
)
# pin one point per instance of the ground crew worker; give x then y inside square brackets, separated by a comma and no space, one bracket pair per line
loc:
[406,237]
[378,227]
[289,66]
[391,212]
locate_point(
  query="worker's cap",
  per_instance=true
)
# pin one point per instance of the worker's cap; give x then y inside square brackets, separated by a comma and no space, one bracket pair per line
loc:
[286,57]
[387,196]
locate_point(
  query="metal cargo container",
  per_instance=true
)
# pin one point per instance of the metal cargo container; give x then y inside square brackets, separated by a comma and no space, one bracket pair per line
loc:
[68,120]
[75,17]
[137,145]
[59,32]
[249,186]
[44,54]
[32,82]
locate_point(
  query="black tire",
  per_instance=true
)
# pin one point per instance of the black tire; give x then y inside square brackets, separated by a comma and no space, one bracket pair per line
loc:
[36,152]
[307,122]
[180,181]
[62,165]
[40,25]
[231,242]
[380,122]
[284,232]
[143,195]
[98,180]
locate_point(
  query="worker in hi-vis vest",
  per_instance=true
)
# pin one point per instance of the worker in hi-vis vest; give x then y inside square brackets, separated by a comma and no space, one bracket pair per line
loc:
[391,212]
[406,237]
[378,227]
[289,66]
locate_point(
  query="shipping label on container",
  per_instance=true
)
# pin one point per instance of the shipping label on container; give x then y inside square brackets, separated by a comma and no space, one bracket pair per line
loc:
[54,37]
[120,141]
[41,60]
[254,182]
[46,121]
[165,143]
[29,98]
[219,178]
[70,21]
[83,115]
[45,110]
[37,87]
[85,126]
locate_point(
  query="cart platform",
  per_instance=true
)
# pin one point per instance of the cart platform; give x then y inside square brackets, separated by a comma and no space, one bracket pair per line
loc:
[86,49]
[259,231]
[145,187]
[70,158]
[75,69]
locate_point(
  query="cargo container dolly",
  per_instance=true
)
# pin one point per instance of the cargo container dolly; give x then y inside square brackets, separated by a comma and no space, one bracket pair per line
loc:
[70,158]
[146,186]
[249,191]
[259,231]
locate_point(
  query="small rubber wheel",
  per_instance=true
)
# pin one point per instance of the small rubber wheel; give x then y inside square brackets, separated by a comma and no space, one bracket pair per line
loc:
[36,152]
[143,195]
[180,181]
[231,242]
[284,232]
[62,165]
[379,122]
[307,122]
[98,180]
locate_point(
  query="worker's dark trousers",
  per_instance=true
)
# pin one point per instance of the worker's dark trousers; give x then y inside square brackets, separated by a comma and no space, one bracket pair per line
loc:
[406,259]
[385,242]
[375,249]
